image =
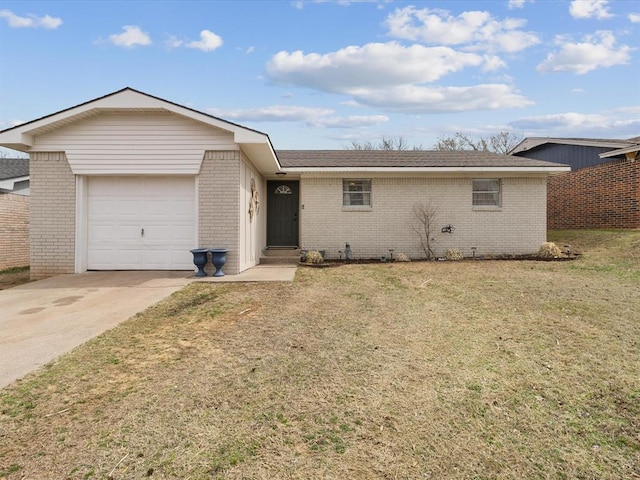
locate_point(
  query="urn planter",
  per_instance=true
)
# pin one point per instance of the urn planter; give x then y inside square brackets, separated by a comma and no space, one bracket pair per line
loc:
[200,260]
[218,258]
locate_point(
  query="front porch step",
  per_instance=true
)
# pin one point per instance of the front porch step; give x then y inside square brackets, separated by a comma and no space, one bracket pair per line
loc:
[275,256]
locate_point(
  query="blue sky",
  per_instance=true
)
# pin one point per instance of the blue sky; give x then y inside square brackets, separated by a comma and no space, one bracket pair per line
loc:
[321,74]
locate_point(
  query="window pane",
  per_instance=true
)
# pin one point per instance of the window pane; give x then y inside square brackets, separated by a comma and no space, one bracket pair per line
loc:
[356,192]
[283,190]
[486,191]
[489,185]
[485,199]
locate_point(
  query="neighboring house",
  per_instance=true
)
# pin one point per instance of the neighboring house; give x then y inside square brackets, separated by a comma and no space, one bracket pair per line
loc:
[132,181]
[14,212]
[603,188]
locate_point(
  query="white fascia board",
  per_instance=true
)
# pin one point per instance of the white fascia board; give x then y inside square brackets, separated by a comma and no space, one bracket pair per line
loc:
[16,140]
[621,151]
[242,135]
[10,183]
[560,168]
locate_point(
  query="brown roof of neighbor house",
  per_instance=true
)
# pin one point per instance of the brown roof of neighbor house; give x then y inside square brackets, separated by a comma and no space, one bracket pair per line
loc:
[13,168]
[402,159]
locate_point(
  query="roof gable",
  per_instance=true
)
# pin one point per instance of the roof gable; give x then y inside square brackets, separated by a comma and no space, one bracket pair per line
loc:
[255,144]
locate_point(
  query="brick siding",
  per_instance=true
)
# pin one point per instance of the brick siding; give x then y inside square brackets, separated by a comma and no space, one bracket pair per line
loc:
[517,227]
[602,196]
[14,230]
[53,207]
[219,204]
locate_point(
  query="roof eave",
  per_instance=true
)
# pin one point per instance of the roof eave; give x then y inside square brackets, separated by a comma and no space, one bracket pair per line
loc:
[534,142]
[620,151]
[452,169]
[262,156]
[10,183]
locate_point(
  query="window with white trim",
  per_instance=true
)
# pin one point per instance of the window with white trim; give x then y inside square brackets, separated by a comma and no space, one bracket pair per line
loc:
[356,193]
[486,192]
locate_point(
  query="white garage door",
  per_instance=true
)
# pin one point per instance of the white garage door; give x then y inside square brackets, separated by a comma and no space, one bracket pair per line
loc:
[140,223]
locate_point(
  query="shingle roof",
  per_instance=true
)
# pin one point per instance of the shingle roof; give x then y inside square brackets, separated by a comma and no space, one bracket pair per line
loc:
[402,159]
[13,168]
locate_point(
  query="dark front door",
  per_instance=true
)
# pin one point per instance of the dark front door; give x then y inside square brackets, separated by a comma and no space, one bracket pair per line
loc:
[282,214]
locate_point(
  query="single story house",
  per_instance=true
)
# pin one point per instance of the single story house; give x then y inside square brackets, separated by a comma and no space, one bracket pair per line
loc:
[602,190]
[14,212]
[132,181]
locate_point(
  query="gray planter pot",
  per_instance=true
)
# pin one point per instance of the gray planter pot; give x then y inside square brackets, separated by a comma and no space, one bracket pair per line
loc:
[218,258]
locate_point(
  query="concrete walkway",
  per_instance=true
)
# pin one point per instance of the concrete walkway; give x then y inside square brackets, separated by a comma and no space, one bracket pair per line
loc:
[41,320]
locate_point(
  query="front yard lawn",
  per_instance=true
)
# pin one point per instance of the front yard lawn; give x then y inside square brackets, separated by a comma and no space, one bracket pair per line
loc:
[473,369]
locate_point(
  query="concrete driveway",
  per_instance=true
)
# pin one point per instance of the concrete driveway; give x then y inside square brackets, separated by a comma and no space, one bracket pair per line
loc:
[41,320]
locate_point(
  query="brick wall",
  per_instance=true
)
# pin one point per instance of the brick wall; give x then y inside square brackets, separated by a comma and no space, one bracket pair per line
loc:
[14,230]
[219,205]
[53,207]
[603,196]
[517,227]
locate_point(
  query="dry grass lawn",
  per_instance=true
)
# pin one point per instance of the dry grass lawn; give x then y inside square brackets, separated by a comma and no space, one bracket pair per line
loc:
[469,370]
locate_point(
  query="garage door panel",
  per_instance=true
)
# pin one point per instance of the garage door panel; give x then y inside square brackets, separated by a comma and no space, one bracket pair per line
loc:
[119,208]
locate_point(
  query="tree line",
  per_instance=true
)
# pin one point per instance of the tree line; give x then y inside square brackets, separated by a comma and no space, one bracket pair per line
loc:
[502,142]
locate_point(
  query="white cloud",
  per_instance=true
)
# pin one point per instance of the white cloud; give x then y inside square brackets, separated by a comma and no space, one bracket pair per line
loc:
[392,77]
[515,4]
[131,37]
[590,9]
[615,124]
[30,21]
[208,42]
[630,110]
[276,113]
[50,22]
[417,99]
[173,42]
[312,116]
[634,17]
[12,122]
[476,30]
[596,51]
[372,65]
[351,121]
[493,63]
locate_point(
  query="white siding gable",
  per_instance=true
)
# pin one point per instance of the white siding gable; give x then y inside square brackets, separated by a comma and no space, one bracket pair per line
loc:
[135,143]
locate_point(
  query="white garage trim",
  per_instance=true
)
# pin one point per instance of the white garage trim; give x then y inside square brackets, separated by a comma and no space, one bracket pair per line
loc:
[81,224]
[136,223]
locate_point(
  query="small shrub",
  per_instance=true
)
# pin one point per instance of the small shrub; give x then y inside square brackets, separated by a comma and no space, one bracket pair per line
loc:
[453,254]
[401,257]
[313,257]
[549,250]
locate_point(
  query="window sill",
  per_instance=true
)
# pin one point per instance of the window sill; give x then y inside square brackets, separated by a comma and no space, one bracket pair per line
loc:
[362,208]
[487,208]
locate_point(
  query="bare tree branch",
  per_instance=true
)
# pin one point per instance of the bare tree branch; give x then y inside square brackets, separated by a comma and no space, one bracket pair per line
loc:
[386,143]
[425,215]
[501,142]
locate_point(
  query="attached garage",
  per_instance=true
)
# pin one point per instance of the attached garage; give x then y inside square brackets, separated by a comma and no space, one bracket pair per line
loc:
[130,181]
[140,223]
